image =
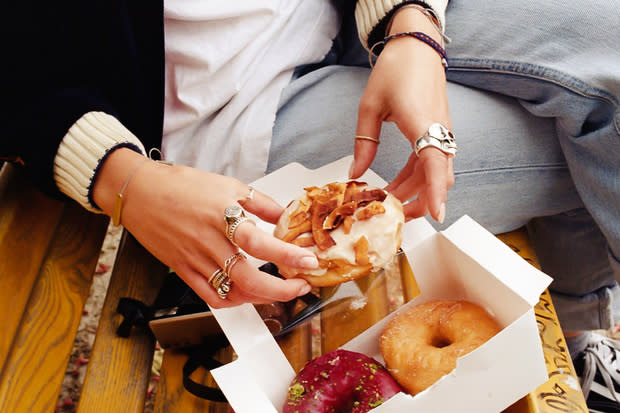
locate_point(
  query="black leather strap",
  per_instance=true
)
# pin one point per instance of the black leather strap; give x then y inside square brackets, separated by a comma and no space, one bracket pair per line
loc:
[203,356]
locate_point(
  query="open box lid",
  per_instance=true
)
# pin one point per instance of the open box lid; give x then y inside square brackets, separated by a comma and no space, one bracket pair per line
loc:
[254,381]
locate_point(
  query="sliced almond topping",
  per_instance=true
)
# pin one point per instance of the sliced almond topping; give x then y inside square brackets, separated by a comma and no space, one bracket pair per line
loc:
[297,218]
[320,210]
[303,241]
[337,215]
[353,187]
[297,231]
[347,223]
[365,197]
[361,251]
[370,210]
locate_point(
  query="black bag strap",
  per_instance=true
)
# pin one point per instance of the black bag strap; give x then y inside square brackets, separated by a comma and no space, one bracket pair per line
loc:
[177,295]
[203,356]
[135,313]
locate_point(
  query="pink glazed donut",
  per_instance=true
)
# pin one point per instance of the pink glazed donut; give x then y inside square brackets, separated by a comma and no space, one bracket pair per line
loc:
[340,381]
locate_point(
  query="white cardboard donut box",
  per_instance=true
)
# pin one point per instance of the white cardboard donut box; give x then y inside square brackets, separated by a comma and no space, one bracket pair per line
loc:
[464,261]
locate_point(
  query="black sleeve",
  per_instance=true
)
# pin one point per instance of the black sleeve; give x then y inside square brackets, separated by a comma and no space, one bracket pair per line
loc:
[65,59]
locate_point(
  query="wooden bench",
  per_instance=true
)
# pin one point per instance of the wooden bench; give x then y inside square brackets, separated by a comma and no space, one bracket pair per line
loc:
[48,253]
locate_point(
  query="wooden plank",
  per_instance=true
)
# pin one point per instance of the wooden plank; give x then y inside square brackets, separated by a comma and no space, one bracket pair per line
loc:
[36,365]
[27,223]
[561,393]
[118,371]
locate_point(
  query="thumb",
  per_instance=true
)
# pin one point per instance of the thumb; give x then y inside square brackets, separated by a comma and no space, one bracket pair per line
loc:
[366,144]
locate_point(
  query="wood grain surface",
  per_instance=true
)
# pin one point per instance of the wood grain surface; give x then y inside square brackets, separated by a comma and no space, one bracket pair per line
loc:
[119,368]
[34,369]
[25,233]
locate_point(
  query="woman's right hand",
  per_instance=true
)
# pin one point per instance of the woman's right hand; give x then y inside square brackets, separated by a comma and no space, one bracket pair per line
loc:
[177,213]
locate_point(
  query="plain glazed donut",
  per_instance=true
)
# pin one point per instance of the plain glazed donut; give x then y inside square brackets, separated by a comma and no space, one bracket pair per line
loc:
[352,228]
[340,381]
[422,342]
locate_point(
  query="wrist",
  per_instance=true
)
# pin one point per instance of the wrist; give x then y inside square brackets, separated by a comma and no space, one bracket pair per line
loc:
[82,151]
[117,170]
[412,19]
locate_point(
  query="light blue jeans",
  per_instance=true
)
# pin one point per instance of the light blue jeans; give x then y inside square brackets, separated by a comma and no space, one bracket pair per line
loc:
[534,89]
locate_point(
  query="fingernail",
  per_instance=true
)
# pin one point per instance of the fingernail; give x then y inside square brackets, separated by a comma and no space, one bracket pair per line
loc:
[351,169]
[442,213]
[309,262]
[305,289]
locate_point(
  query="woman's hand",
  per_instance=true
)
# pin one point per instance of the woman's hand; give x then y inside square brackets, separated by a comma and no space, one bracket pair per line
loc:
[177,213]
[408,86]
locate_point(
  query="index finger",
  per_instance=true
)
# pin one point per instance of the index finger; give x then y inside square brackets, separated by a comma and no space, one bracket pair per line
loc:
[264,246]
[250,279]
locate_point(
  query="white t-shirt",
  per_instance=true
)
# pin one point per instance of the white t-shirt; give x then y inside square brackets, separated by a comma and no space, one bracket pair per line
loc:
[226,65]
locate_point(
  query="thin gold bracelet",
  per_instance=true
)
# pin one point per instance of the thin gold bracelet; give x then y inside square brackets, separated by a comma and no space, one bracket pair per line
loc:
[118,203]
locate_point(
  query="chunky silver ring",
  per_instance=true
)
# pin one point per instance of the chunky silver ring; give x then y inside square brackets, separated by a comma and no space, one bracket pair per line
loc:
[234,216]
[230,262]
[437,136]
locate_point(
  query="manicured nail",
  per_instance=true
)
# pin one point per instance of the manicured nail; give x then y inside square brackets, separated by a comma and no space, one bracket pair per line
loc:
[442,213]
[309,262]
[305,289]
[351,170]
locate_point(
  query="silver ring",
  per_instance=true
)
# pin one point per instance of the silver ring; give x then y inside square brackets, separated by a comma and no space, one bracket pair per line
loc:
[234,216]
[250,195]
[224,288]
[437,136]
[230,262]
[221,282]
[216,274]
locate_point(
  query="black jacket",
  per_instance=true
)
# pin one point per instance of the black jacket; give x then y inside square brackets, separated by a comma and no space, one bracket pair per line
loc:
[64,59]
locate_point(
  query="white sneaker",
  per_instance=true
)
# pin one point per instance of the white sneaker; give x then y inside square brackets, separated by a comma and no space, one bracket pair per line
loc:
[598,368]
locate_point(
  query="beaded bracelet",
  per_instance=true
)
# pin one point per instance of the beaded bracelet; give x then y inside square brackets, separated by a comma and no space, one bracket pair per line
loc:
[424,38]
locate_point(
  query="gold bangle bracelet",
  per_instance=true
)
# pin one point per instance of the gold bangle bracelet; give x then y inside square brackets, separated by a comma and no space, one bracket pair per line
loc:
[118,202]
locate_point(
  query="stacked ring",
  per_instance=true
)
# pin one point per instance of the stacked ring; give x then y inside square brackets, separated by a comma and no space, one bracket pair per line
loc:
[232,260]
[220,281]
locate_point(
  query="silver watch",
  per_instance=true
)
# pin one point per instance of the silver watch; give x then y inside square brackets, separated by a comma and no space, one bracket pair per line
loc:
[437,136]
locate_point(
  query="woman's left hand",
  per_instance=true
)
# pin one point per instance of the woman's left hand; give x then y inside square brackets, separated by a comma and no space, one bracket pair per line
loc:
[407,86]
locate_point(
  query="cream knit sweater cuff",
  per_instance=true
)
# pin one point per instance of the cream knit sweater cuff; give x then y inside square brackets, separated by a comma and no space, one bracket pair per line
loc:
[368,13]
[83,149]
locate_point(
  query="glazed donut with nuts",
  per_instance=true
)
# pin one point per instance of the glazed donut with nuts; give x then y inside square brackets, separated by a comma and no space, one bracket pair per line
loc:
[352,227]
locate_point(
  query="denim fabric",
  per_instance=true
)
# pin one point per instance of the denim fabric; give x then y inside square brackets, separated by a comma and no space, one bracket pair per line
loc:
[534,89]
